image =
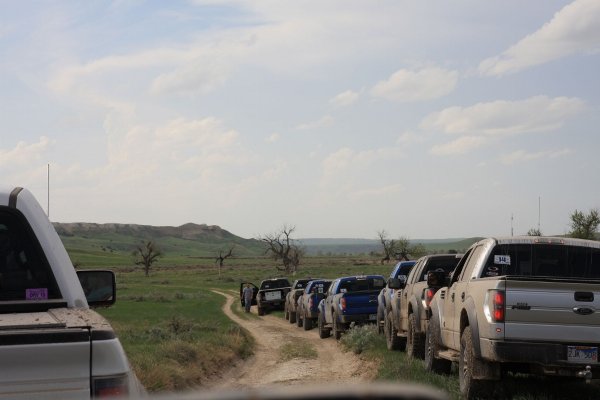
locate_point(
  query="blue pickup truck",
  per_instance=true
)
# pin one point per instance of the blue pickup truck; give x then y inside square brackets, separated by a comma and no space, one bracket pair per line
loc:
[351,299]
[384,306]
[307,309]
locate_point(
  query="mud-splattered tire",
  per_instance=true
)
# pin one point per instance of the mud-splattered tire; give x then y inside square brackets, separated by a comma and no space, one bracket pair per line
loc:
[415,346]
[261,311]
[307,323]
[299,320]
[392,340]
[380,320]
[292,317]
[337,329]
[432,363]
[470,388]
[323,332]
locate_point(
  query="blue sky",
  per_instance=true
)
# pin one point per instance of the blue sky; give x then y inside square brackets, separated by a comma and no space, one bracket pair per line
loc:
[427,119]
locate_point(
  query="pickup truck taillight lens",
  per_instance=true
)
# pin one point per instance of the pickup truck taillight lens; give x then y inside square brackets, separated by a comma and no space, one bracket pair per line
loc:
[498,305]
[429,292]
[343,303]
[110,386]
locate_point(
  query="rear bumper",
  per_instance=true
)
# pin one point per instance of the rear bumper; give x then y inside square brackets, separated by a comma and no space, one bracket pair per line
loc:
[272,304]
[359,318]
[547,356]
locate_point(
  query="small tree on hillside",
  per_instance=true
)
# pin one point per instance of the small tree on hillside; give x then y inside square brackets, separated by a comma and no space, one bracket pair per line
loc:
[145,254]
[534,232]
[281,247]
[388,246]
[222,257]
[584,226]
[398,249]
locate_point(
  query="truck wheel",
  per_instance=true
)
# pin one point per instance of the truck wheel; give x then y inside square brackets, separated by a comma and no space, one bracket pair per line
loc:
[292,317]
[470,388]
[415,348]
[323,332]
[380,320]
[299,320]
[261,311]
[307,323]
[286,313]
[432,363]
[392,340]
[337,329]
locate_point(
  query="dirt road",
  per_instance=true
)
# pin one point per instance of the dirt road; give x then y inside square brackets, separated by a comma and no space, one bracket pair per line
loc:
[332,365]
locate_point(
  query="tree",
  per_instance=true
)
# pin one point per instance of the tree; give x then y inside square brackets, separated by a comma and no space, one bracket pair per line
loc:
[534,232]
[399,249]
[222,257]
[584,226]
[281,247]
[146,253]
[389,246]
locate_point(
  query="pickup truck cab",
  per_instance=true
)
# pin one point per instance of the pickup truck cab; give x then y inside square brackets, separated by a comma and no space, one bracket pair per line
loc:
[52,345]
[406,320]
[518,304]
[384,298]
[308,304]
[351,299]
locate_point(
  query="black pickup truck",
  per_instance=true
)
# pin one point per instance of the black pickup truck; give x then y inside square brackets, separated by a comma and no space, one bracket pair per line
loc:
[271,294]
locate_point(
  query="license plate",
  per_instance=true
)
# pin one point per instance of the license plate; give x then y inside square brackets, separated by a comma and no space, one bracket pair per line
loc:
[272,295]
[372,317]
[582,354]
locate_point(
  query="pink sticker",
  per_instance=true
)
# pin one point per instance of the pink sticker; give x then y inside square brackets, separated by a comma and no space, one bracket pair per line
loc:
[36,294]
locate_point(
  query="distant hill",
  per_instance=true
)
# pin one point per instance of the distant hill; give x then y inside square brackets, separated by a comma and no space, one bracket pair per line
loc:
[90,244]
[110,244]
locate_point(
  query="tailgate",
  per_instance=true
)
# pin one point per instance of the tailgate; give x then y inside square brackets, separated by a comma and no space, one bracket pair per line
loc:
[552,310]
[361,303]
[48,363]
[41,358]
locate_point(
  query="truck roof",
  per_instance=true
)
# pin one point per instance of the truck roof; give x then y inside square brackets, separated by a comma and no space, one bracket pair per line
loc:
[543,240]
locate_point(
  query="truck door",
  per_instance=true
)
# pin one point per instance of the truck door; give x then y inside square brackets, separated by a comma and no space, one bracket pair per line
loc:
[449,296]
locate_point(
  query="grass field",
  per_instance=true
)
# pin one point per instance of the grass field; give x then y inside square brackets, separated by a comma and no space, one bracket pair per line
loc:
[177,337]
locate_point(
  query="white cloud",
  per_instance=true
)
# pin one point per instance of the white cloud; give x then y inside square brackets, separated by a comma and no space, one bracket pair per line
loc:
[461,145]
[24,154]
[378,192]
[574,29]
[409,86]
[410,137]
[273,138]
[200,77]
[522,156]
[535,114]
[345,158]
[344,99]
[323,122]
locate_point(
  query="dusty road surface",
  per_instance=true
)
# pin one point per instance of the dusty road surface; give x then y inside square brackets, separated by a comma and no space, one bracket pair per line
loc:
[332,365]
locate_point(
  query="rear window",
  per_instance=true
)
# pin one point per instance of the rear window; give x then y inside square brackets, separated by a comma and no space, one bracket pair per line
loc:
[275,284]
[404,270]
[24,271]
[319,287]
[361,284]
[446,264]
[543,260]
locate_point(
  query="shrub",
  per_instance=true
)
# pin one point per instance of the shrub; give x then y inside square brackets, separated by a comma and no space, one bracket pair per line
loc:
[360,338]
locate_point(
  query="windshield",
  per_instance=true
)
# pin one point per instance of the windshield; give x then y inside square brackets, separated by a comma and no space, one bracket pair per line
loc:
[362,284]
[543,260]
[275,284]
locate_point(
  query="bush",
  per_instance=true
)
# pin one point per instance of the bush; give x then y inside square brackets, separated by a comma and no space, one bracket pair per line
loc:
[360,338]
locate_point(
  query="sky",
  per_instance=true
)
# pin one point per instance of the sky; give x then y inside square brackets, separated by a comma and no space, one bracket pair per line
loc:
[426,119]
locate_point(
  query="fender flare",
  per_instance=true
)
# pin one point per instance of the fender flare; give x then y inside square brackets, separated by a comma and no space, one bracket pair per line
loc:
[473,324]
[414,302]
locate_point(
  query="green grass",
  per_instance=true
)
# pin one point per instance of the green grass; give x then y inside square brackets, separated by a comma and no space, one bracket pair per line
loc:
[300,348]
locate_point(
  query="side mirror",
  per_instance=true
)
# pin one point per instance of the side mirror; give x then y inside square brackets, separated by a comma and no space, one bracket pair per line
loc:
[395,283]
[99,286]
[437,279]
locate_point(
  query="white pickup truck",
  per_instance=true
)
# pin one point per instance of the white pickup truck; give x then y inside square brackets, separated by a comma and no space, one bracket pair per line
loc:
[52,345]
[518,304]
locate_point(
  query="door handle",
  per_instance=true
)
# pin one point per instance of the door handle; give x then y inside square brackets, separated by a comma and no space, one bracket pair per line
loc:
[462,296]
[452,296]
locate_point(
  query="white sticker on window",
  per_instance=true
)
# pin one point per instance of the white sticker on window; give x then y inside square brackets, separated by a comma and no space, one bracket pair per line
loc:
[502,260]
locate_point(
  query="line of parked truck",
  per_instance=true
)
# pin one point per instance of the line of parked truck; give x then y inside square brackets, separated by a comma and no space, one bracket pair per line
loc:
[507,305]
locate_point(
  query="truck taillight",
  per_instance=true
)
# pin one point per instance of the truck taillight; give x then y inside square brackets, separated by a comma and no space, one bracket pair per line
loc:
[429,292]
[498,305]
[110,386]
[343,303]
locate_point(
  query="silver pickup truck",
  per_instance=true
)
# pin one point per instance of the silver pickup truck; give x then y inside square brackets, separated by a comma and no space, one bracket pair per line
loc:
[518,304]
[52,345]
